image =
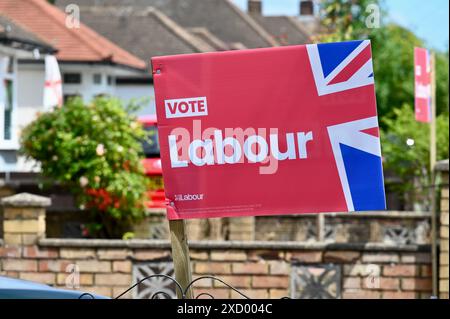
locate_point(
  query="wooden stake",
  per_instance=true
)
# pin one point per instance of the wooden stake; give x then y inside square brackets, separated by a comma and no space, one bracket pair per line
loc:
[320,227]
[180,255]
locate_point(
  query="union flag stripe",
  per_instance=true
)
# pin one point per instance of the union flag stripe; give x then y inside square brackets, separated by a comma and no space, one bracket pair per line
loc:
[353,66]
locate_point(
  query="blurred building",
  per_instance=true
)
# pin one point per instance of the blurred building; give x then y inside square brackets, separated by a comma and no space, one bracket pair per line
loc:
[110,52]
[287,30]
[149,28]
[15,43]
[89,64]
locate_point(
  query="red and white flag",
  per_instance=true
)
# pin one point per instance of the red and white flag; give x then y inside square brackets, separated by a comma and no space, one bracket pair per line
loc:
[53,85]
[422,82]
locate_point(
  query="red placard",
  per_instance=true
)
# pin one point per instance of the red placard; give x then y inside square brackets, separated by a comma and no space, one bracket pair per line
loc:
[269,131]
[422,92]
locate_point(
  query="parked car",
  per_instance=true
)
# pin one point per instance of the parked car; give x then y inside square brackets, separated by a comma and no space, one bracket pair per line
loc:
[12,288]
[152,162]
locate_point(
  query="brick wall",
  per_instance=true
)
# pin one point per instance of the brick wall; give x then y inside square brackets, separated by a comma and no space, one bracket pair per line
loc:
[383,227]
[442,167]
[258,269]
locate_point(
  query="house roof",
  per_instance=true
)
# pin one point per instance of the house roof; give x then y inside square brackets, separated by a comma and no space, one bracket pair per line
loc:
[144,31]
[221,17]
[209,38]
[285,29]
[14,36]
[73,44]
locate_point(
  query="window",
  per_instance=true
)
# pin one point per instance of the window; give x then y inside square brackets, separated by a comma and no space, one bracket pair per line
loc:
[7,101]
[101,95]
[97,78]
[151,145]
[110,80]
[72,78]
[68,97]
[10,66]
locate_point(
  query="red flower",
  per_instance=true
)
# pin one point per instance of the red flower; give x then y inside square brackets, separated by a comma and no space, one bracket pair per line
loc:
[101,199]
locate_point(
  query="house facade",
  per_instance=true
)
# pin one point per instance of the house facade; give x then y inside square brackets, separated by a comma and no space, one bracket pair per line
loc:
[89,65]
[127,27]
[16,43]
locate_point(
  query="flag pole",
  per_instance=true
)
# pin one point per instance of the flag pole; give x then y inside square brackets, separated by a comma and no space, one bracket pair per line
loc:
[433,177]
[433,113]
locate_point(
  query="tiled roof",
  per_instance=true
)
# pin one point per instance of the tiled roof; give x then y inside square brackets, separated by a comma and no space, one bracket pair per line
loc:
[73,44]
[285,29]
[144,31]
[10,30]
[209,38]
[221,17]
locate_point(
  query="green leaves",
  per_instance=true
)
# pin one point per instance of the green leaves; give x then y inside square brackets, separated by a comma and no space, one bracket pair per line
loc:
[392,51]
[96,151]
[412,162]
[345,20]
[393,60]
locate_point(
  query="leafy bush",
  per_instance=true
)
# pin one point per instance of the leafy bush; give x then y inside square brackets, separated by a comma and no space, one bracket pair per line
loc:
[412,162]
[95,150]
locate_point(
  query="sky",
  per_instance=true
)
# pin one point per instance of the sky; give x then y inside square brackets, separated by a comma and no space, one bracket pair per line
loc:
[427,18]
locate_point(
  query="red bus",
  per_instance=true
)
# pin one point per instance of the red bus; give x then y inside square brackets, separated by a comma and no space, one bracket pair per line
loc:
[152,162]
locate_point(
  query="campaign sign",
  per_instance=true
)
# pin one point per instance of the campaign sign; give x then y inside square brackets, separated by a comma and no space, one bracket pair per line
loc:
[422,76]
[272,131]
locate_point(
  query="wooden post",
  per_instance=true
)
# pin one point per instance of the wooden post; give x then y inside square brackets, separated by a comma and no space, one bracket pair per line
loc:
[320,224]
[180,255]
[433,113]
[433,178]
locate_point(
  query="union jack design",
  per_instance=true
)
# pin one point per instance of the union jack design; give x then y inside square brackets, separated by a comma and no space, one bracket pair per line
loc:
[327,89]
[341,66]
[357,152]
